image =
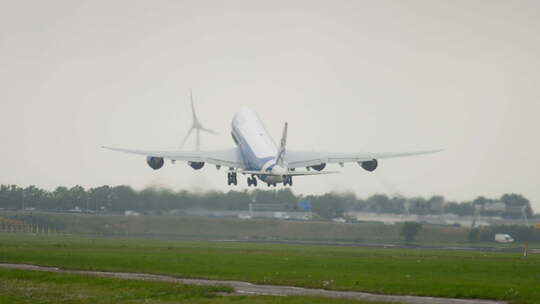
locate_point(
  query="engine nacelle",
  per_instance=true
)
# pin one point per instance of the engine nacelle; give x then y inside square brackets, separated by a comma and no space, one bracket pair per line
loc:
[196,165]
[369,165]
[155,162]
[319,167]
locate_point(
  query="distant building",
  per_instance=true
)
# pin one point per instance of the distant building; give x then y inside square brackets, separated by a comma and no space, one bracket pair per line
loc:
[244,216]
[442,219]
[75,210]
[436,206]
[281,215]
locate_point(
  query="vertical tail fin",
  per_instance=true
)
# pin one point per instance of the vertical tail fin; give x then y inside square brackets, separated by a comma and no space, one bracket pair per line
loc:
[282,147]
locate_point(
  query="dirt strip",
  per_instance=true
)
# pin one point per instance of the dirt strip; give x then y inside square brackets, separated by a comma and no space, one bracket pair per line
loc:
[253,289]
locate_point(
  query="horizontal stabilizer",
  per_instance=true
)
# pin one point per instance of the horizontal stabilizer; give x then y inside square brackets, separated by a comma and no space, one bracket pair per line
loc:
[289,173]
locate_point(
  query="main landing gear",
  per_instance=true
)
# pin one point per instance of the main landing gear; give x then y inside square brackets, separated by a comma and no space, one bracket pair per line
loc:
[287,180]
[231,179]
[252,181]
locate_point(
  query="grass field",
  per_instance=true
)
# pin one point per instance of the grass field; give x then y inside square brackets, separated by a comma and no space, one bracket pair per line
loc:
[502,276]
[24,286]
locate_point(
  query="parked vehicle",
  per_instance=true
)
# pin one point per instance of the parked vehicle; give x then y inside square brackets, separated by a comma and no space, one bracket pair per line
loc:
[503,238]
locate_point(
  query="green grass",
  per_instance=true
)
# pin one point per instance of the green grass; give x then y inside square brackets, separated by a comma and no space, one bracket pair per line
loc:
[23,286]
[504,276]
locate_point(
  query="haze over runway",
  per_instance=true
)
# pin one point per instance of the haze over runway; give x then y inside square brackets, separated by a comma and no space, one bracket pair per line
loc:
[346,75]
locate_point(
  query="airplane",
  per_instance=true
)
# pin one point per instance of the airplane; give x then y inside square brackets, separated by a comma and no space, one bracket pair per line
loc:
[257,155]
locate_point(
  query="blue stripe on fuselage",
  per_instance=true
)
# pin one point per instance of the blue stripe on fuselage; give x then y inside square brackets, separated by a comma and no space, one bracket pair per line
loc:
[250,159]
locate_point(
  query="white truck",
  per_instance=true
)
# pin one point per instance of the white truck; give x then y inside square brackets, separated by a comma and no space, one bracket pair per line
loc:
[503,238]
[281,215]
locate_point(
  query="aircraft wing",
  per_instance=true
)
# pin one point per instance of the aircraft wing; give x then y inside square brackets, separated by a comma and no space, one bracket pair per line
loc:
[227,158]
[296,159]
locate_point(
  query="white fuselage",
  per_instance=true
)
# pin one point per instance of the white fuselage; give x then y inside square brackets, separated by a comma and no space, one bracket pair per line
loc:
[258,149]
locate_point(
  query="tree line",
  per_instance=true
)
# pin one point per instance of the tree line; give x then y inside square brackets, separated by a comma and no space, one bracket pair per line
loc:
[329,205]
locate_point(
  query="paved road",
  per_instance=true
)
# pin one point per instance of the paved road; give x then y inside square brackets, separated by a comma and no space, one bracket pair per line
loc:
[382,245]
[253,289]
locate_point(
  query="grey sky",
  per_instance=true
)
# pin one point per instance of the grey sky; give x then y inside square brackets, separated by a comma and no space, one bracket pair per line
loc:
[347,76]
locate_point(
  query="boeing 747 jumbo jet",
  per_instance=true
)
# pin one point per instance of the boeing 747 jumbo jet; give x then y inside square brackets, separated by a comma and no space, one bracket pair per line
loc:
[257,155]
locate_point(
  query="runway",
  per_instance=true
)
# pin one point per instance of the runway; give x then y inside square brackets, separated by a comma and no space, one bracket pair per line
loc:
[245,288]
[383,245]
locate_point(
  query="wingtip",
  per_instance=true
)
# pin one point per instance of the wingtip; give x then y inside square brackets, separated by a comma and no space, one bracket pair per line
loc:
[432,151]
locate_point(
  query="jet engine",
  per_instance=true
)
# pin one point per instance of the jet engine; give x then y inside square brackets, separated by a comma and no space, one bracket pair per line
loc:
[319,167]
[370,165]
[155,162]
[196,165]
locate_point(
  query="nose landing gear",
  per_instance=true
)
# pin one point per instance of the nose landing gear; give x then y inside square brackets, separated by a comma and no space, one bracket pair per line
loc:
[252,181]
[231,179]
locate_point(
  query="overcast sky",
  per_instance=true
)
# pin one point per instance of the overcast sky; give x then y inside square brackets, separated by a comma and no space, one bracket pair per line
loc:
[347,75]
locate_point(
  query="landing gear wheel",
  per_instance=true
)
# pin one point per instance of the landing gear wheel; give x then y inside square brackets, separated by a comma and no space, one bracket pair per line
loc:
[231,179]
[287,180]
[252,181]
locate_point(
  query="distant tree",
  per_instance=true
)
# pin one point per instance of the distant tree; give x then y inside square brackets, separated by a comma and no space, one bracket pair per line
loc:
[359,205]
[419,205]
[381,203]
[148,199]
[481,201]
[122,198]
[77,196]
[10,197]
[62,199]
[462,209]
[375,203]
[286,196]
[99,197]
[436,204]
[398,204]
[236,200]
[160,200]
[330,205]
[514,203]
[409,230]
